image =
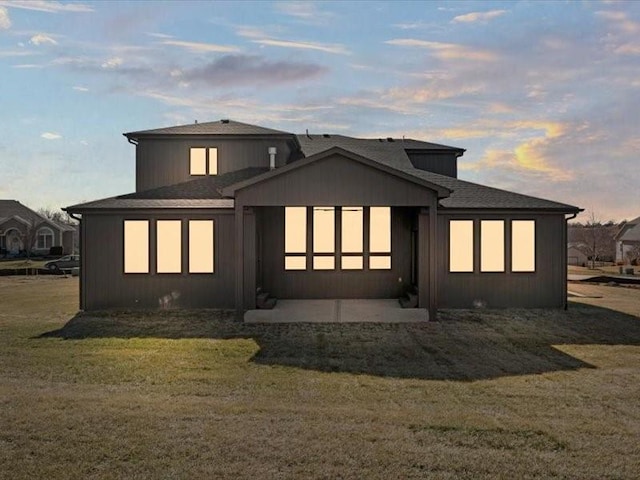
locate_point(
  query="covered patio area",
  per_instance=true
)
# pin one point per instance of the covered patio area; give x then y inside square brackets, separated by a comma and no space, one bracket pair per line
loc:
[338,311]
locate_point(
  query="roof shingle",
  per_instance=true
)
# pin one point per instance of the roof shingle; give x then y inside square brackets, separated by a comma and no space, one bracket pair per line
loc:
[219,127]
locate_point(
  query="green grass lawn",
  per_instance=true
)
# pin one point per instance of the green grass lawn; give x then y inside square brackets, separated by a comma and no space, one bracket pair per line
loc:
[492,394]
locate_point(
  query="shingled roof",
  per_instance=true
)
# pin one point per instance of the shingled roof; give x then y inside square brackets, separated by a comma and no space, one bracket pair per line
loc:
[206,191]
[465,195]
[219,127]
[203,192]
[13,208]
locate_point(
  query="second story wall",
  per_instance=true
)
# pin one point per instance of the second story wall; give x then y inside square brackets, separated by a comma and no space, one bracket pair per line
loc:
[444,163]
[162,161]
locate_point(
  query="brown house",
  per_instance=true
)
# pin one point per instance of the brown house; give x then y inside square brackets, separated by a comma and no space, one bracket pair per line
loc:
[227,213]
[22,230]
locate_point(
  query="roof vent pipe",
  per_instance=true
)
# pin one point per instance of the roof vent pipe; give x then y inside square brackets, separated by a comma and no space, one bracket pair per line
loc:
[272,157]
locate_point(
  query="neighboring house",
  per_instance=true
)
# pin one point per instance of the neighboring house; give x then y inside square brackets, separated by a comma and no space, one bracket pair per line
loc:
[21,226]
[223,210]
[575,255]
[628,240]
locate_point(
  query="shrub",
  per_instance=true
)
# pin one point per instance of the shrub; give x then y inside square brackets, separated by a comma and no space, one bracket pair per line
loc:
[55,251]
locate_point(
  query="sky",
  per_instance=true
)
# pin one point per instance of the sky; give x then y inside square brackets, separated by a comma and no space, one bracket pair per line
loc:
[544,96]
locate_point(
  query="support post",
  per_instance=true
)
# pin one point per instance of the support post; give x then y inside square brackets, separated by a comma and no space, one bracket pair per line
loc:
[239,253]
[433,261]
[423,260]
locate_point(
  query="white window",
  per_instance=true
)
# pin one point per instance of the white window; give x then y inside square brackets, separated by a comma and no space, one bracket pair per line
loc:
[461,245]
[169,246]
[492,246]
[380,238]
[324,238]
[352,238]
[203,160]
[136,246]
[523,246]
[45,238]
[295,238]
[201,246]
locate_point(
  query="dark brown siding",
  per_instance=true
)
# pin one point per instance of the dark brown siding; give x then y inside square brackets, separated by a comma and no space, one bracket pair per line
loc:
[106,286]
[165,161]
[332,283]
[335,180]
[442,163]
[543,288]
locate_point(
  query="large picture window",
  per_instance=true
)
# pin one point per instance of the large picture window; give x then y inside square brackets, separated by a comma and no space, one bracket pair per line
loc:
[169,246]
[492,246]
[136,246]
[461,245]
[344,226]
[523,246]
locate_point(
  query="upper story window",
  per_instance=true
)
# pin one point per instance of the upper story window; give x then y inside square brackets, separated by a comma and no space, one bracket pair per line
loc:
[203,161]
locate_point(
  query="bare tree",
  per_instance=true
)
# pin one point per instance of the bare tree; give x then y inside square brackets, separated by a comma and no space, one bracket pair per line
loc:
[57,216]
[595,239]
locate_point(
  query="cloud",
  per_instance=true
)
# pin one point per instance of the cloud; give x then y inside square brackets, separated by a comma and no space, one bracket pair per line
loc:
[27,65]
[51,136]
[80,89]
[473,17]
[113,62]
[411,25]
[16,53]
[305,11]
[446,51]
[201,47]
[531,156]
[159,35]
[260,37]
[620,19]
[323,47]
[42,39]
[47,6]
[250,70]
[5,21]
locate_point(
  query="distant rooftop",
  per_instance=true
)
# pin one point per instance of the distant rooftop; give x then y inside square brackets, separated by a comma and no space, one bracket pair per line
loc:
[219,127]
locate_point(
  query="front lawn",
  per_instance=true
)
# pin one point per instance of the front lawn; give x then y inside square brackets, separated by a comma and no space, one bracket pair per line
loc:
[492,394]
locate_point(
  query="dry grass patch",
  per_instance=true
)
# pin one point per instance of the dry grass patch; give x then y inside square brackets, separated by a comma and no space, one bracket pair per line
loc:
[495,394]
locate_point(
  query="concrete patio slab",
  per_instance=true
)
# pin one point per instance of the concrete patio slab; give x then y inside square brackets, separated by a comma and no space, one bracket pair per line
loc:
[337,311]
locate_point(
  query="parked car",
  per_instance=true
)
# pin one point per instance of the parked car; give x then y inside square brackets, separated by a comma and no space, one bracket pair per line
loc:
[64,263]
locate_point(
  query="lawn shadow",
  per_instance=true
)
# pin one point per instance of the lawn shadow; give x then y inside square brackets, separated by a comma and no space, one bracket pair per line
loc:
[464,345]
